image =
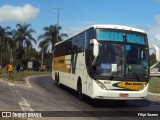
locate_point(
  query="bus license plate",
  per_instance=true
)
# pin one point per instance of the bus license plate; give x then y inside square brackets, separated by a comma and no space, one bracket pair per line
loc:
[123,94]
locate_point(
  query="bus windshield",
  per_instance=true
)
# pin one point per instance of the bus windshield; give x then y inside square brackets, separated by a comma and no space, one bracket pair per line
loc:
[110,60]
[120,36]
[136,61]
[114,57]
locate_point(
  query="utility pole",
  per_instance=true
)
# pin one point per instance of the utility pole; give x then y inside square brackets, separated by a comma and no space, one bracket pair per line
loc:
[58,9]
[11,56]
[42,60]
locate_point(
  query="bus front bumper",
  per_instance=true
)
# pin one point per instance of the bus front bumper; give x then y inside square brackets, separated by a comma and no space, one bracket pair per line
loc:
[99,93]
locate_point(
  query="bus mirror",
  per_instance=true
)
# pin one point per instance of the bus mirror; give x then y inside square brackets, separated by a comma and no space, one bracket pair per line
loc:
[95,50]
[91,42]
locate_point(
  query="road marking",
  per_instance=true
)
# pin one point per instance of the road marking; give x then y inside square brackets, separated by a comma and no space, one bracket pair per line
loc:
[25,105]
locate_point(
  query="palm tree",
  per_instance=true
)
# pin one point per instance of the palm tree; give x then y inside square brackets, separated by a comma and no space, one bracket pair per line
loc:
[23,38]
[5,39]
[49,38]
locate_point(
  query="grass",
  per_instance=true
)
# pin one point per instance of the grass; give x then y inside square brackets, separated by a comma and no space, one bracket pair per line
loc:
[154,85]
[20,77]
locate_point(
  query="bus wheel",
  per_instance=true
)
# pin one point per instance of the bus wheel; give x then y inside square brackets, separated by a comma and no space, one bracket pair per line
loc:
[56,80]
[79,91]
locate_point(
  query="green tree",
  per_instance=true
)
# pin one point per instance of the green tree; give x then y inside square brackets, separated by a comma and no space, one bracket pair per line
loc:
[152,59]
[49,38]
[23,38]
[5,40]
[33,56]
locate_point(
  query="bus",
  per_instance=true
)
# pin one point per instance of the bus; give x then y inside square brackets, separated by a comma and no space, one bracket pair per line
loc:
[104,62]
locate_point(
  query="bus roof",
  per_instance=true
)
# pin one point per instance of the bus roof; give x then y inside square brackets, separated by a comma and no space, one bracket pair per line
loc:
[103,26]
[119,27]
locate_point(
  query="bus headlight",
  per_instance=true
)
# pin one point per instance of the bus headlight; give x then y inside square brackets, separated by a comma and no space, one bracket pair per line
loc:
[101,85]
[143,87]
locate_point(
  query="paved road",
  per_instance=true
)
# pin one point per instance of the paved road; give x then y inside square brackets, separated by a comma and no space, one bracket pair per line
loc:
[42,95]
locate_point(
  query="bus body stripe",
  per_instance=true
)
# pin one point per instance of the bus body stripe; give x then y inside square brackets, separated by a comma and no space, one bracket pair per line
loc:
[61,65]
[131,85]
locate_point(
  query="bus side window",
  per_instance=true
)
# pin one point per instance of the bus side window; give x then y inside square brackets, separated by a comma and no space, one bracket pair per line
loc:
[74,45]
[89,49]
[81,42]
[89,36]
[69,48]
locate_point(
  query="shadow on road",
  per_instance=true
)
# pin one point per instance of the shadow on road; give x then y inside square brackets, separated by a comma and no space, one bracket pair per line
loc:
[96,103]
[118,103]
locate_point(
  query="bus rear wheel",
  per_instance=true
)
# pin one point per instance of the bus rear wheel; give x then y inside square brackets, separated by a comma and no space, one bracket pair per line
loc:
[57,80]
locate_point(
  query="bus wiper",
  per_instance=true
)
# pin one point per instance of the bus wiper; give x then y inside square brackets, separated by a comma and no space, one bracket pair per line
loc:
[133,70]
[113,75]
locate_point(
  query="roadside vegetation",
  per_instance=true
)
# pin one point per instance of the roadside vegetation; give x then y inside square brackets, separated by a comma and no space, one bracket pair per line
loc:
[20,76]
[154,85]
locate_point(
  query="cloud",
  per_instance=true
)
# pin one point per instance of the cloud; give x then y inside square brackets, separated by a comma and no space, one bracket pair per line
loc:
[72,30]
[16,13]
[153,31]
[73,27]
[157,37]
[157,20]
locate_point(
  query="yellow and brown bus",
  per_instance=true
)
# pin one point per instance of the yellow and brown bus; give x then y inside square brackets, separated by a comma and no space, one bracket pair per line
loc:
[104,62]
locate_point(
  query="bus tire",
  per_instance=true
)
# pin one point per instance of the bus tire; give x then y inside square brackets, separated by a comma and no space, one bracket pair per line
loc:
[57,80]
[79,90]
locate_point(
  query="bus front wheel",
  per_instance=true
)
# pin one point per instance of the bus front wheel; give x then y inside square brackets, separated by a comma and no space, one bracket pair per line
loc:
[79,91]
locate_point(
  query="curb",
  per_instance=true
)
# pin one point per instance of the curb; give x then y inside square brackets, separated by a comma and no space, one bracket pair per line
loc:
[155,94]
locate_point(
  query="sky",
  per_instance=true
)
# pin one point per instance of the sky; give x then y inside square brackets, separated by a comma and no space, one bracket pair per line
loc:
[75,15]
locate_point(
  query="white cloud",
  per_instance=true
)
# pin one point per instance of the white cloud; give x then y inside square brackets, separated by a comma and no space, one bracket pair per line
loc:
[157,37]
[72,28]
[16,13]
[153,31]
[157,20]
